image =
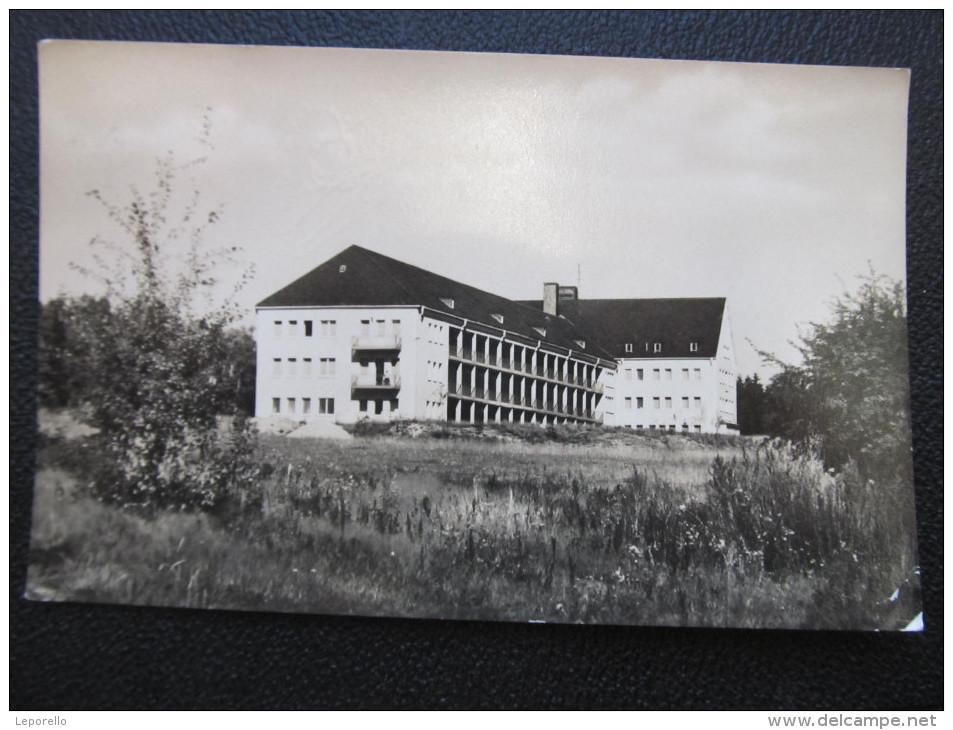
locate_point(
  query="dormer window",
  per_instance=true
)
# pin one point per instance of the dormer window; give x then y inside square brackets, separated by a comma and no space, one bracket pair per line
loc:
[693,347]
[447,302]
[657,347]
[541,331]
[498,317]
[581,344]
[342,268]
[628,347]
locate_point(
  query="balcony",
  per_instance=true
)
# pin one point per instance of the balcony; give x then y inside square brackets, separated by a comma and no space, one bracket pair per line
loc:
[526,368]
[374,383]
[376,343]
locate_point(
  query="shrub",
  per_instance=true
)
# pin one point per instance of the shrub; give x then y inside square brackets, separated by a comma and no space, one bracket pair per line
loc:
[158,356]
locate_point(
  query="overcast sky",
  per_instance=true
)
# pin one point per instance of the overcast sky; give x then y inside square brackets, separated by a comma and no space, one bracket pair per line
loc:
[771,185]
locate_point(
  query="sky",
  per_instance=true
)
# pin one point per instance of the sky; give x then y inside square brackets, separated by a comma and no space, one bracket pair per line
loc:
[774,186]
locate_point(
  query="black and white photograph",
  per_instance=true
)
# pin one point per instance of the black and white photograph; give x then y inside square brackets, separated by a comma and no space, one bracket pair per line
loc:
[474,336]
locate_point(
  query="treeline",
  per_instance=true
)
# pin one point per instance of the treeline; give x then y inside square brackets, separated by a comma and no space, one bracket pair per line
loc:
[75,364]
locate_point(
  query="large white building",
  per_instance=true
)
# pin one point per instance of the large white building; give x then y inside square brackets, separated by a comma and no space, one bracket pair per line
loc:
[367,336]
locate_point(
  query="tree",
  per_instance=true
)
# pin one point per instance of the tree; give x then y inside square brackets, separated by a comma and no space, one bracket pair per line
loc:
[752,403]
[159,355]
[849,399]
[65,371]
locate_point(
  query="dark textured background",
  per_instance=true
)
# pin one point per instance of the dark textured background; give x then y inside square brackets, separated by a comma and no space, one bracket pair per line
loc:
[65,656]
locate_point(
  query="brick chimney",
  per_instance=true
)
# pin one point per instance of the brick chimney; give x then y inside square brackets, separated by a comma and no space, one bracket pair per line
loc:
[551,298]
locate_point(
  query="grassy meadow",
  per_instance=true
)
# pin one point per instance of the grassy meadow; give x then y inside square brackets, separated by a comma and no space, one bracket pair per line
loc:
[566,524]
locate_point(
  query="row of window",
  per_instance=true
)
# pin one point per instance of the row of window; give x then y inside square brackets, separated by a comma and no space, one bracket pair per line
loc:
[289,366]
[657,402]
[434,333]
[657,347]
[325,406]
[379,327]
[434,371]
[291,328]
[657,373]
[671,427]
[328,327]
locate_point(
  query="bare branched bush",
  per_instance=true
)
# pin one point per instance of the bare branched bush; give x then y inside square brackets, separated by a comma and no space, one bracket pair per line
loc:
[160,351]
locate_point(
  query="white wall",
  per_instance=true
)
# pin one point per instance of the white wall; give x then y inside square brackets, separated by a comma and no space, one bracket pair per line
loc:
[727,372]
[663,387]
[432,345]
[300,380]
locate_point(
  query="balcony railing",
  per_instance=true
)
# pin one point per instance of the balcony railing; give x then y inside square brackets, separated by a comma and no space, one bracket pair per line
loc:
[527,368]
[520,401]
[375,342]
[374,381]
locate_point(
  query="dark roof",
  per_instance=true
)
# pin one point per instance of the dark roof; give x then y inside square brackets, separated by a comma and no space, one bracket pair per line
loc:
[673,323]
[371,279]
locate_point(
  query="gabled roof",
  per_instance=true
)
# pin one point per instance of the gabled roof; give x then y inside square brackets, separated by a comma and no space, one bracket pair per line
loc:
[673,323]
[359,277]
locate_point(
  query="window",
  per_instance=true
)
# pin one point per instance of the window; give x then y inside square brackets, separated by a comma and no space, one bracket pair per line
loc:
[329,327]
[640,402]
[306,406]
[628,347]
[640,374]
[378,407]
[628,373]
[366,327]
[498,317]
[291,405]
[276,405]
[362,406]
[342,268]
[541,331]
[668,402]
[657,347]
[292,365]
[684,373]
[447,302]
[698,402]
[656,374]
[326,405]
[668,373]
[307,367]
[395,325]
[628,402]
[276,366]
[292,326]
[308,328]
[698,429]
[639,426]
[277,328]
[671,427]
[326,367]
[693,347]
[656,402]
[393,405]
[380,327]
[685,402]
[698,374]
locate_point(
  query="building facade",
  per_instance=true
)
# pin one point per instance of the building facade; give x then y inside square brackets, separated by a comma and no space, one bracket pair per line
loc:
[367,336]
[675,359]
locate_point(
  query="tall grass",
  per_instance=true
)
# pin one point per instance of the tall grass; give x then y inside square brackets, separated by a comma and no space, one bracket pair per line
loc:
[639,531]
